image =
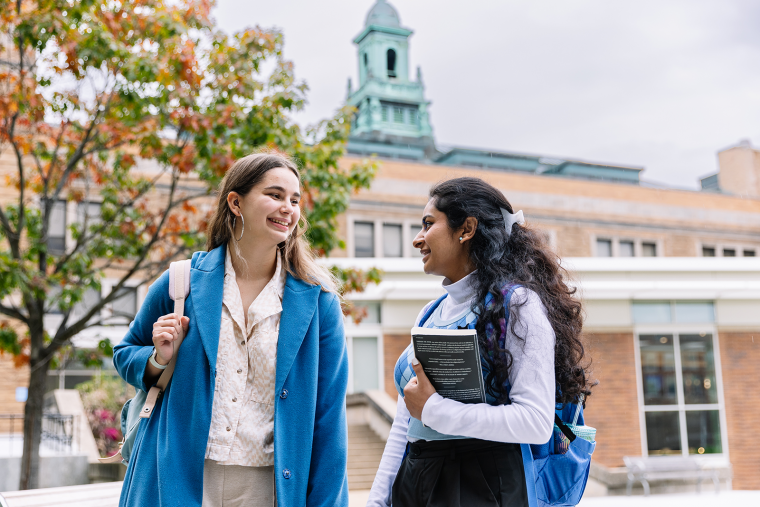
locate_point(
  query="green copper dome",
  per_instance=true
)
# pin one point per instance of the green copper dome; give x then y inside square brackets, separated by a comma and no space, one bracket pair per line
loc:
[383,14]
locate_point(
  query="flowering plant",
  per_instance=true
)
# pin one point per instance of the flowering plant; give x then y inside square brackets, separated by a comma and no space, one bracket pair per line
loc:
[103,398]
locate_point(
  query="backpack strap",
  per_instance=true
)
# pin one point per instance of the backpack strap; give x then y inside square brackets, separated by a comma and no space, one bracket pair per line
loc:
[430,310]
[179,288]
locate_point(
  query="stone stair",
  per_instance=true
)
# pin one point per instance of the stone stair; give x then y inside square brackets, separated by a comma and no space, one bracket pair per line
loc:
[365,448]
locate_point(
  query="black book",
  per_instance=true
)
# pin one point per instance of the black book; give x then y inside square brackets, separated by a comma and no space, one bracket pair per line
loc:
[451,360]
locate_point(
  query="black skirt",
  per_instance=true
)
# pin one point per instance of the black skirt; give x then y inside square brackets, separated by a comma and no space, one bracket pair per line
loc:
[461,473]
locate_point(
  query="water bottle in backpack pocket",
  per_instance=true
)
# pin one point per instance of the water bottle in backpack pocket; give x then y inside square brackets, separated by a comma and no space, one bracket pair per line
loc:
[562,464]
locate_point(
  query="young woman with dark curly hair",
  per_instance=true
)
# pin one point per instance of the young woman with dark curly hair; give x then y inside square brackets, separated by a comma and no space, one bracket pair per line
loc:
[445,453]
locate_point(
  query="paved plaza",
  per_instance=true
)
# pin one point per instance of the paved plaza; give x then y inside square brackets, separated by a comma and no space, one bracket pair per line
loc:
[707,499]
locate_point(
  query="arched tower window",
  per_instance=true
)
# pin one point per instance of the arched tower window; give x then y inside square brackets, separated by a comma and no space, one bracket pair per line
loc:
[391,63]
[366,60]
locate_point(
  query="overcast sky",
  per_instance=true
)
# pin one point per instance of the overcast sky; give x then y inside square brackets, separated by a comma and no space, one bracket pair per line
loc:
[660,84]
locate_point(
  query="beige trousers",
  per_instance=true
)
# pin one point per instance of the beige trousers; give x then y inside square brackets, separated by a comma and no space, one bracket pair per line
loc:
[237,486]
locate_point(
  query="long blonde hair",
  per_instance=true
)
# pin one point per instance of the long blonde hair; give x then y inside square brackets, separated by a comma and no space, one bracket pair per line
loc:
[241,178]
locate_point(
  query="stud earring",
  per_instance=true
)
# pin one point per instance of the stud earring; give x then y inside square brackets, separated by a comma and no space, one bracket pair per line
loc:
[460,239]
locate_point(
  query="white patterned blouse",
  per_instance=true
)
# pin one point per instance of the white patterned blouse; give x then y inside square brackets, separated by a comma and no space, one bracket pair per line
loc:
[242,417]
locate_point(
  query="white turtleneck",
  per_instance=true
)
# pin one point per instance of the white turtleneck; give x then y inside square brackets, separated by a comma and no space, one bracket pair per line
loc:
[528,419]
[459,298]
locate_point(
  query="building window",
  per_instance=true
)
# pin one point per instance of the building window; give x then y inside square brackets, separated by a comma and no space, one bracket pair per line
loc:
[56,241]
[384,113]
[392,246]
[749,253]
[366,60]
[90,298]
[398,115]
[626,248]
[364,356]
[364,239]
[708,251]
[391,54]
[413,116]
[604,248]
[125,303]
[649,249]
[679,384]
[729,252]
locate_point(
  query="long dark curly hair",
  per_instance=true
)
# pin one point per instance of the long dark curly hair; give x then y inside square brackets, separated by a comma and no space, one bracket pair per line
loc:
[522,257]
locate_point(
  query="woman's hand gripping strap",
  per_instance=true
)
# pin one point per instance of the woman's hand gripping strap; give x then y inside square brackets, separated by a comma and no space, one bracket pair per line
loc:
[179,288]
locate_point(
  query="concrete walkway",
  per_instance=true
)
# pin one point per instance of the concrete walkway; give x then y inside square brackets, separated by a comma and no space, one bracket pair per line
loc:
[706,499]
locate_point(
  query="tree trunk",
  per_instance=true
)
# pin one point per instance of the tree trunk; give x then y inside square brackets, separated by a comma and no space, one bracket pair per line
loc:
[30,460]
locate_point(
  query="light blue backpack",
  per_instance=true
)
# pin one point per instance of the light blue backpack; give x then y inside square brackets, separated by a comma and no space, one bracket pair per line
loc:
[142,405]
[556,472]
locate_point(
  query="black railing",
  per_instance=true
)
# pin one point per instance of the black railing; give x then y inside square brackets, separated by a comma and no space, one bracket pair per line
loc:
[59,433]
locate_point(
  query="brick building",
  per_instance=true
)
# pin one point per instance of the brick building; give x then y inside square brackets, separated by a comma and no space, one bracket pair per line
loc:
[669,278]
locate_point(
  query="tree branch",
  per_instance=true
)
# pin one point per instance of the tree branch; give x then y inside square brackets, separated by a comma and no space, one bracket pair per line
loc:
[14,313]
[63,335]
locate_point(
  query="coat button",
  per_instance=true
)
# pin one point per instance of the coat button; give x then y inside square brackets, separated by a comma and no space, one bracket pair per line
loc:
[240,370]
[286,473]
[234,400]
[229,429]
[284,394]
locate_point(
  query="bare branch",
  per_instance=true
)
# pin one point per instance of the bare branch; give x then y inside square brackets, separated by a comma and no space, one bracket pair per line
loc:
[13,313]
[82,240]
[77,327]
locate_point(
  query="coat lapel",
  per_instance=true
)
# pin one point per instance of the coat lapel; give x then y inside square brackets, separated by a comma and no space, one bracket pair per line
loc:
[206,291]
[299,303]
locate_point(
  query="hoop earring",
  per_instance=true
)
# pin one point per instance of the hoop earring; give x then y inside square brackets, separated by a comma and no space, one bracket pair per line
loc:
[233,227]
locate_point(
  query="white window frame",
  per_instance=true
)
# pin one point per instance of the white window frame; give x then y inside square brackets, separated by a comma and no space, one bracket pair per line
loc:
[638,249]
[719,247]
[406,225]
[676,330]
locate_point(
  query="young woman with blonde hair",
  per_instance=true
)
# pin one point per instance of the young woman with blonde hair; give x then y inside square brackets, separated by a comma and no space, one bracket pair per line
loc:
[255,411]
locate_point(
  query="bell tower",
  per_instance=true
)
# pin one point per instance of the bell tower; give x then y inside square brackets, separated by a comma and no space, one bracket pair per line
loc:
[392,114]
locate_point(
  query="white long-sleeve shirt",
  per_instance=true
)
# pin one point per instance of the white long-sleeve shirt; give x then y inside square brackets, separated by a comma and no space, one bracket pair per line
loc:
[528,419]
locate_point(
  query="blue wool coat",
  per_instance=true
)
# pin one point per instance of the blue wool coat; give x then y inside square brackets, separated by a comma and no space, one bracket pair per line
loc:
[310,435]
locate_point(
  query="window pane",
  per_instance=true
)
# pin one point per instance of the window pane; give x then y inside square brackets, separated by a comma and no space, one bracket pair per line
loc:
[364,239]
[56,242]
[649,250]
[695,312]
[729,252]
[398,115]
[391,240]
[57,224]
[365,364]
[90,298]
[384,113]
[413,116]
[658,369]
[656,312]
[708,251]
[703,432]
[92,209]
[603,248]
[373,312]
[125,303]
[626,249]
[413,231]
[698,366]
[663,433]
[749,253]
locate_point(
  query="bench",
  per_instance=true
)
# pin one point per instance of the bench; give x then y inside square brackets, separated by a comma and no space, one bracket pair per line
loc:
[645,469]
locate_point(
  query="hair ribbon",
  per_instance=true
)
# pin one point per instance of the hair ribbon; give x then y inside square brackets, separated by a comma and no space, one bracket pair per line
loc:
[512,218]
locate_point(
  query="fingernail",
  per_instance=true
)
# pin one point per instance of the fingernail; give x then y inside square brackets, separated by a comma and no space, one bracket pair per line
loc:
[414,361]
